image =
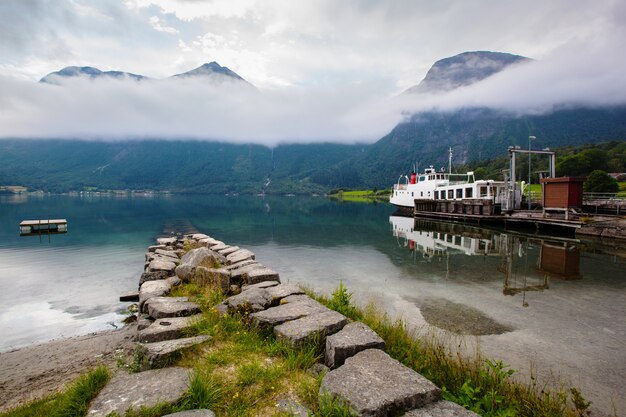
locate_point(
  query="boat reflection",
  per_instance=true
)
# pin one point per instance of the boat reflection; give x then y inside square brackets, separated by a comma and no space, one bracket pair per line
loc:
[430,241]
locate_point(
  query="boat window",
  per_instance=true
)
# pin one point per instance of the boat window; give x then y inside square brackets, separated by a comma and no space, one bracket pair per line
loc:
[436,195]
[468,192]
[483,191]
[422,178]
[450,194]
[412,194]
[459,193]
[421,193]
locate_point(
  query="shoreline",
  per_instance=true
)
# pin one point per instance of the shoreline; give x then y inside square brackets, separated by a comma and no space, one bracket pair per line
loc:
[35,371]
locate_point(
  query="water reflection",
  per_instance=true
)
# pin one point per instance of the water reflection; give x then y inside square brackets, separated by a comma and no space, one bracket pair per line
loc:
[437,242]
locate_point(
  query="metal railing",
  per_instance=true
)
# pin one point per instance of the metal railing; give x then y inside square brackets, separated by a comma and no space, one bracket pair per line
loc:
[603,196]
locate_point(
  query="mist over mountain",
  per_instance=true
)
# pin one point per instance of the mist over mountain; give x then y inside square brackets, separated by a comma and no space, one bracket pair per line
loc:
[464,69]
[87,72]
[158,162]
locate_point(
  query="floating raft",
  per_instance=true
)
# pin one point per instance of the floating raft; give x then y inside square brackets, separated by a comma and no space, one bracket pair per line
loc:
[29,227]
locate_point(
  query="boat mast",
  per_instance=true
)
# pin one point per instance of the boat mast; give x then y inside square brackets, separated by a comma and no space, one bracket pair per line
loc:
[450,160]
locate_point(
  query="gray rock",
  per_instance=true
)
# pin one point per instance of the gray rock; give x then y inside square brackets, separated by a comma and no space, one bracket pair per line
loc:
[228,250]
[193,413]
[239,256]
[256,299]
[317,369]
[160,354]
[144,389]
[155,247]
[149,298]
[441,409]
[166,241]
[199,256]
[173,281]
[260,275]
[152,289]
[163,309]
[130,296]
[281,291]
[144,321]
[292,408]
[264,284]
[374,384]
[284,312]
[166,253]
[311,327]
[152,276]
[161,265]
[166,329]
[218,277]
[352,339]
[222,309]
[185,272]
[199,236]
[240,264]
[219,246]
[241,274]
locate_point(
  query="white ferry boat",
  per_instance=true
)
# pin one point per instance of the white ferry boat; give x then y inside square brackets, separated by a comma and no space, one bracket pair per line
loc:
[439,185]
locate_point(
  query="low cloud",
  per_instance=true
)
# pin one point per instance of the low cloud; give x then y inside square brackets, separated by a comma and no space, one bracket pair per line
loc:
[109,109]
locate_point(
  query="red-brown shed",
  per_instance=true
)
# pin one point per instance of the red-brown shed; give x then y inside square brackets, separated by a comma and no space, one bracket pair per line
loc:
[564,192]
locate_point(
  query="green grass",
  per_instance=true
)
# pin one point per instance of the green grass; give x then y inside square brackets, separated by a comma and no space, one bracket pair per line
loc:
[73,402]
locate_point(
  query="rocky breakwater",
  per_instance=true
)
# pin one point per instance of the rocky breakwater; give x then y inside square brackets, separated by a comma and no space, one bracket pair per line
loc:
[163,321]
[358,371]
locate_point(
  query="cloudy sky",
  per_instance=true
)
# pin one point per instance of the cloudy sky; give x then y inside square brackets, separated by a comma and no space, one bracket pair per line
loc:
[326,69]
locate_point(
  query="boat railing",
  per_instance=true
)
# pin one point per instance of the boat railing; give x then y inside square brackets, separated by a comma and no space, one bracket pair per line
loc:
[399,186]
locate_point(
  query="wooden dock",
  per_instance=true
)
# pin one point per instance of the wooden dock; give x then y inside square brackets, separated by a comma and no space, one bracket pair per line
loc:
[485,213]
[34,227]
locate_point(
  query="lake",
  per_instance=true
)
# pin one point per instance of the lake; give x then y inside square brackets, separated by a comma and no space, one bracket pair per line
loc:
[555,308]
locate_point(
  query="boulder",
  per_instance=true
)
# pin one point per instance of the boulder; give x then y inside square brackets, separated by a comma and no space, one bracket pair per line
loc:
[264,284]
[166,253]
[144,389]
[239,256]
[260,275]
[353,338]
[281,291]
[160,354]
[199,256]
[218,277]
[163,309]
[131,296]
[292,408]
[165,329]
[152,276]
[219,246]
[199,236]
[143,307]
[241,274]
[373,384]
[185,272]
[228,250]
[152,289]
[173,281]
[441,409]
[285,312]
[161,265]
[255,299]
[155,247]
[309,328]
[167,241]
[240,264]
[193,413]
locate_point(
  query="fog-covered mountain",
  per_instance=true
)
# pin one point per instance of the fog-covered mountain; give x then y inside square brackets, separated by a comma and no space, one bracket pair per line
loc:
[87,72]
[464,69]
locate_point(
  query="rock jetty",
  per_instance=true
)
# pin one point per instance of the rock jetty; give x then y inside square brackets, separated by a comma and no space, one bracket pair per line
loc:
[358,371]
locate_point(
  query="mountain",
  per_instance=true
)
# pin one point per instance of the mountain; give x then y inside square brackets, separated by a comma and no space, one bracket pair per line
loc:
[464,69]
[209,70]
[87,72]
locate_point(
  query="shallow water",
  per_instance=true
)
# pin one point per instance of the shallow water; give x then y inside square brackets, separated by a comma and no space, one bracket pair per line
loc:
[557,305]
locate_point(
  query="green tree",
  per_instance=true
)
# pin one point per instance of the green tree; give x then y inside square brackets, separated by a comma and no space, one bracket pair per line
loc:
[600,182]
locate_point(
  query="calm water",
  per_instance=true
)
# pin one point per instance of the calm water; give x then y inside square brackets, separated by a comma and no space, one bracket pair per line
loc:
[556,306]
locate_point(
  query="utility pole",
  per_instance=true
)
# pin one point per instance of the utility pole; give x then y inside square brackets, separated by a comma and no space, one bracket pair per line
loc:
[529,159]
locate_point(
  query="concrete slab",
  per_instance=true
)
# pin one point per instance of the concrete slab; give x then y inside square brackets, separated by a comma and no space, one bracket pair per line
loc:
[309,328]
[174,308]
[353,338]
[164,353]
[260,275]
[286,312]
[165,329]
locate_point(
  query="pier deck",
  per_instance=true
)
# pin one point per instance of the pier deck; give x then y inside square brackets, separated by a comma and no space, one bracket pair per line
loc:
[29,227]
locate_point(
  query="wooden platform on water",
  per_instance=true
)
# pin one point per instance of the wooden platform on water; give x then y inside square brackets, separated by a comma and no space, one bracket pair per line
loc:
[34,227]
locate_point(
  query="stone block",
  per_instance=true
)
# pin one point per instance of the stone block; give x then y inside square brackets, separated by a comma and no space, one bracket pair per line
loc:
[193,413]
[199,236]
[161,299]
[200,256]
[260,275]
[256,299]
[375,385]
[166,253]
[228,250]
[241,274]
[441,409]
[144,389]
[309,328]
[185,272]
[155,247]
[152,289]
[281,291]
[219,246]
[165,329]
[218,277]
[286,312]
[240,264]
[167,241]
[168,308]
[239,256]
[131,296]
[173,281]
[352,339]
[144,321]
[164,353]
[153,276]
[161,265]
[264,284]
